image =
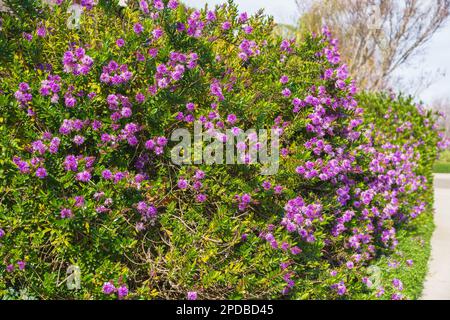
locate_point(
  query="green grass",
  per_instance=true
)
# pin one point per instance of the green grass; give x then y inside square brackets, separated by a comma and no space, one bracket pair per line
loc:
[443,163]
[441,168]
[414,244]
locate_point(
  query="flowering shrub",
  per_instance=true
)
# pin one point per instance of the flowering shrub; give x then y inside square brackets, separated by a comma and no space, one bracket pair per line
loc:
[87,177]
[400,123]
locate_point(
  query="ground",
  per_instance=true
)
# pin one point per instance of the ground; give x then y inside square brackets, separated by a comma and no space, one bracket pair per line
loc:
[437,284]
[443,163]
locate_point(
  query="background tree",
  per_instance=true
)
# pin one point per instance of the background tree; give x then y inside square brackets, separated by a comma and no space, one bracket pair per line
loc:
[443,105]
[376,36]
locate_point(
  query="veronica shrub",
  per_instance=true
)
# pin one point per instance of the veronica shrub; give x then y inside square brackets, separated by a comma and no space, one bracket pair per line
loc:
[87,179]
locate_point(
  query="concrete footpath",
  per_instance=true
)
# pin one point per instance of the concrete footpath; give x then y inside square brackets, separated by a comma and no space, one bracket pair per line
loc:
[437,284]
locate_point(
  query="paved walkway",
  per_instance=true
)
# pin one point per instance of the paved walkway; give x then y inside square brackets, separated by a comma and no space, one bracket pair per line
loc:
[437,284]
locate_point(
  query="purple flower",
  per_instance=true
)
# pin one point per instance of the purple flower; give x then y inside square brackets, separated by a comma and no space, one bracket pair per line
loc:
[192,295]
[296,250]
[77,62]
[246,198]
[201,198]
[143,5]
[231,119]
[96,125]
[41,32]
[380,292]
[340,288]
[158,4]
[71,163]
[70,101]
[120,42]
[132,141]
[119,176]
[216,90]
[140,98]
[78,140]
[41,173]
[226,25]
[189,118]
[199,175]
[157,33]
[173,4]
[122,291]
[197,185]
[83,176]
[153,52]
[159,150]
[190,106]
[150,145]
[138,28]
[114,74]
[89,161]
[23,86]
[39,147]
[243,17]
[396,296]
[66,213]
[248,29]
[79,201]
[22,95]
[27,36]
[2,233]
[54,145]
[300,170]
[126,112]
[182,184]
[367,282]
[284,79]
[88,4]
[161,141]
[23,166]
[108,288]
[397,284]
[211,16]
[266,185]
[286,92]
[21,264]
[241,146]
[278,189]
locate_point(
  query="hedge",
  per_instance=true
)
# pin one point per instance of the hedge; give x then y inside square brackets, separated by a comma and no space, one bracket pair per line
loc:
[87,180]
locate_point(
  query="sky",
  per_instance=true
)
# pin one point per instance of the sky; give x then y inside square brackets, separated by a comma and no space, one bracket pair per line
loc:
[434,58]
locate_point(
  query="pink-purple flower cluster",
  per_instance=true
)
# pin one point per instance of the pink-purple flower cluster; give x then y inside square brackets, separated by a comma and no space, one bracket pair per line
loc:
[23,94]
[115,74]
[51,86]
[77,62]
[109,289]
[169,73]
[248,49]
[343,183]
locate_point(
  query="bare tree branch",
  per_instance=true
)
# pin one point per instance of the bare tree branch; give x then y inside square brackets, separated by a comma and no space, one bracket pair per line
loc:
[377,36]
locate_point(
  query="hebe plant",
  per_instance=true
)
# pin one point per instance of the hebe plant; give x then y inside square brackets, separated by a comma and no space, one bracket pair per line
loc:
[87,178]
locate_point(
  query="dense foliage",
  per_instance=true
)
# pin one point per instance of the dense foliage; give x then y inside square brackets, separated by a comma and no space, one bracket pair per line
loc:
[398,123]
[86,177]
[407,125]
